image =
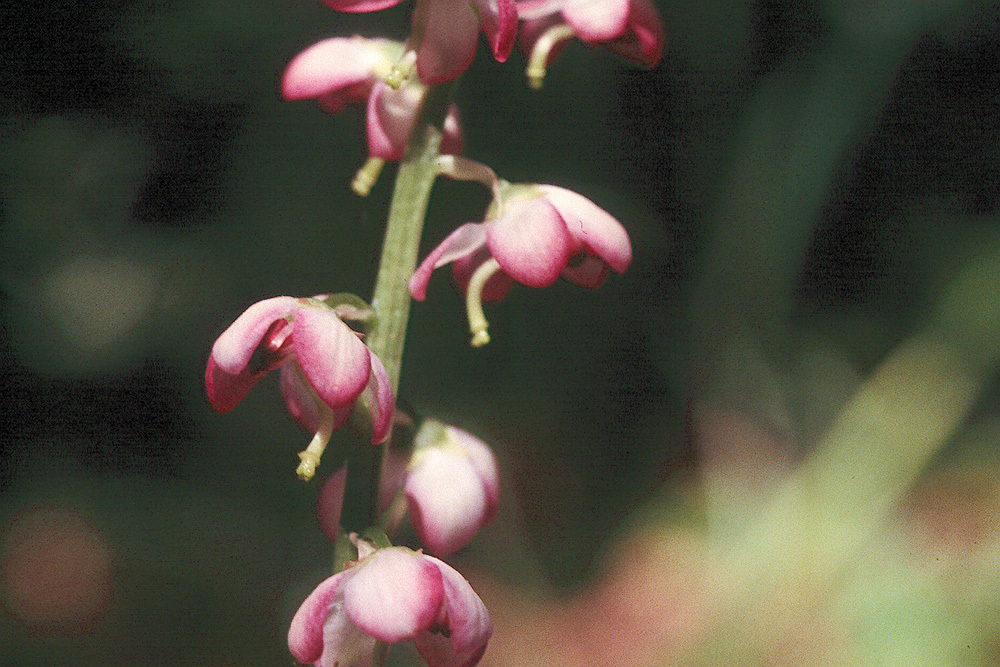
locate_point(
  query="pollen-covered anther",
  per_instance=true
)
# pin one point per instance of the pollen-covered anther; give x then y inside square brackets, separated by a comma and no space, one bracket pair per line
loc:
[478,324]
[539,59]
[402,70]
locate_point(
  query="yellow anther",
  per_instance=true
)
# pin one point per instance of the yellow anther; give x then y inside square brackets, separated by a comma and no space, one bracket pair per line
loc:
[402,70]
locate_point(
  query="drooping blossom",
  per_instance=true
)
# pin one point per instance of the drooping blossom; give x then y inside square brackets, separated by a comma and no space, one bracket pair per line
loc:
[445,32]
[538,233]
[391,595]
[630,28]
[341,71]
[450,487]
[324,366]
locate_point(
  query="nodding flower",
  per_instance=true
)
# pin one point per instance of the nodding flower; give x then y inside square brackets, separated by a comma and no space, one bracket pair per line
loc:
[533,235]
[444,33]
[391,595]
[631,29]
[342,71]
[324,366]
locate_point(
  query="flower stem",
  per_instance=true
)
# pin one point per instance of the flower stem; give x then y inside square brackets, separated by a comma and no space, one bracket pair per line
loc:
[391,300]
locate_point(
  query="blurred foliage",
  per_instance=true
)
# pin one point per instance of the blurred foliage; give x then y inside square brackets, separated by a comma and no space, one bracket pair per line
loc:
[802,177]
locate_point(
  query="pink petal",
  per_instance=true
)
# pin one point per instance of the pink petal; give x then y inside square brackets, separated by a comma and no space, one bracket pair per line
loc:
[339,68]
[446,500]
[391,115]
[642,42]
[224,390]
[300,399]
[590,272]
[330,503]
[597,20]
[304,405]
[384,404]
[498,19]
[485,463]
[361,6]
[461,242]
[449,30]
[394,594]
[466,619]
[334,361]
[530,241]
[593,229]
[234,347]
[530,10]
[227,376]
[305,635]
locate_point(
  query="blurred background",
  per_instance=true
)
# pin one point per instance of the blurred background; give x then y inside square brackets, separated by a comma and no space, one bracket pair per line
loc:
[800,180]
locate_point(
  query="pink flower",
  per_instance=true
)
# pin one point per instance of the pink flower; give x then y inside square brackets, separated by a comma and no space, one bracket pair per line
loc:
[324,367]
[450,487]
[391,595]
[630,28]
[444,32]
[349,70]
[541,232]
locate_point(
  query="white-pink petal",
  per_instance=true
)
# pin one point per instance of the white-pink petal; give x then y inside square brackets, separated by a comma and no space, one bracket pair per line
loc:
[305,634]
[390,119]
[530,241]
[334,361]
[446,498]
[234,347]
[485,463]
[597,20]
[394,594]
[465,240]
[334,64]
[383,405]
[591,227]
[466,618]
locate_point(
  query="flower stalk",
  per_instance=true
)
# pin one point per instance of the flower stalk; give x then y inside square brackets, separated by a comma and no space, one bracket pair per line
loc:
[391,299]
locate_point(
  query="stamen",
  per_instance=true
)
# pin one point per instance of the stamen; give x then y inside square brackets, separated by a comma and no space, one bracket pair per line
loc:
[544,45]
[310,456]
[463,169]
[365,179]
[478,324]
[402,70]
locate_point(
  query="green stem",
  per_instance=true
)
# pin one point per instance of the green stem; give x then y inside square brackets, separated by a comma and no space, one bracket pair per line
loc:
[391,300]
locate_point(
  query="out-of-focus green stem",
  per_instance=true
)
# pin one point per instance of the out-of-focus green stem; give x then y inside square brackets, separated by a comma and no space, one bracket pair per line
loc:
[846,490]
[391,300]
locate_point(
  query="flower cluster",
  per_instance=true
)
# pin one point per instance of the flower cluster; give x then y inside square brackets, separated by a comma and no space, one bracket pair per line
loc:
[533,234]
